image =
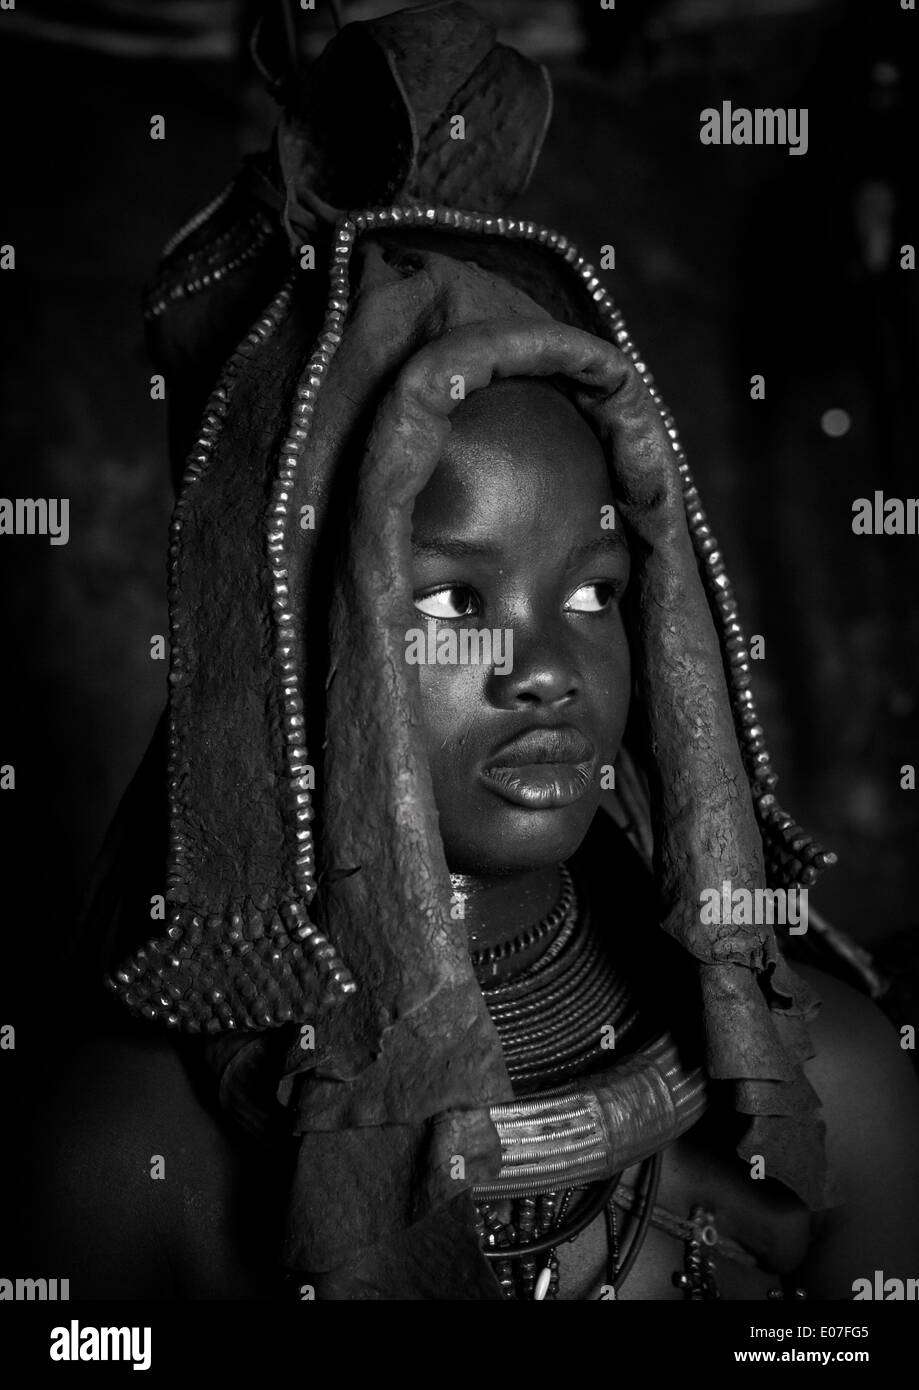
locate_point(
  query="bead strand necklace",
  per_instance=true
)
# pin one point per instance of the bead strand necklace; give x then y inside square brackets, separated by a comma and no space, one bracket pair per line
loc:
[560,1018]
[487,959]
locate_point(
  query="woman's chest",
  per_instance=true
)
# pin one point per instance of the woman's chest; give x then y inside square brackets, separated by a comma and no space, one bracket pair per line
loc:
[747,1235]
[716,1232]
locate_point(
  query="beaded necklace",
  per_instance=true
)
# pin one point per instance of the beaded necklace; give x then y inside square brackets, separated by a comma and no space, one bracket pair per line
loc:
[563,1015]
[488,958]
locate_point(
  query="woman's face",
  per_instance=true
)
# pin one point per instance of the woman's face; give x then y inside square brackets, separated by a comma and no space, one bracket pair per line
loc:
[510,536]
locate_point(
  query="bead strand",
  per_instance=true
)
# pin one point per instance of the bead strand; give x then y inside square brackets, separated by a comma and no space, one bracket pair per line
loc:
[529,936]
[212,269]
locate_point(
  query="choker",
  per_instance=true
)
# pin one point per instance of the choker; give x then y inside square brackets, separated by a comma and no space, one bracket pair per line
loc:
[564,912]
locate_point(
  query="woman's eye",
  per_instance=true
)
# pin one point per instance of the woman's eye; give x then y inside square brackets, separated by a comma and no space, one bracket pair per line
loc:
[454,601]
[590,598]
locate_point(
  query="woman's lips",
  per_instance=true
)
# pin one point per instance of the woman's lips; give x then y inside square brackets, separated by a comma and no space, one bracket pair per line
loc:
[541,786]
[542,768]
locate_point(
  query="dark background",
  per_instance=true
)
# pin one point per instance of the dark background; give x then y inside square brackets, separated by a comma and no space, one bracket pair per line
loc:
[730,261]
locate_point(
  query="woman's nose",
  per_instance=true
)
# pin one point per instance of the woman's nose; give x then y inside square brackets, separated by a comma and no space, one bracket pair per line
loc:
[543,672]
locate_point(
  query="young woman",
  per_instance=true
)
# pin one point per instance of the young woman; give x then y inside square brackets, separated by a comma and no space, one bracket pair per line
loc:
[460,741]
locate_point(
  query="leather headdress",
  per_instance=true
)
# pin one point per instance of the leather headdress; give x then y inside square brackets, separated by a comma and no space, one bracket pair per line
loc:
[335,335]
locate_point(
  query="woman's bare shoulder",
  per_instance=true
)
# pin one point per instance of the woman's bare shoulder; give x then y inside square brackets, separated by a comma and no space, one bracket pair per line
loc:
[122,1092]
[870,1099]
[126,1160]
[860,1070]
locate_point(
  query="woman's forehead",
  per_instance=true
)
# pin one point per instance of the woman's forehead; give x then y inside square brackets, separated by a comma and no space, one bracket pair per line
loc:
[519,453]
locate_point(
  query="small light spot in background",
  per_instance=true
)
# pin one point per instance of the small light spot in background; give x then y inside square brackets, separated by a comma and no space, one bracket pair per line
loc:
[865,806]
[835,423]
[885,74]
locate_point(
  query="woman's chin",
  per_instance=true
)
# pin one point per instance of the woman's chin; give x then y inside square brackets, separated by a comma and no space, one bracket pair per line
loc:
[519,840]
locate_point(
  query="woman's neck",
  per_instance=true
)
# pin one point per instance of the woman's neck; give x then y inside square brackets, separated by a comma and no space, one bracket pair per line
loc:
[495,909]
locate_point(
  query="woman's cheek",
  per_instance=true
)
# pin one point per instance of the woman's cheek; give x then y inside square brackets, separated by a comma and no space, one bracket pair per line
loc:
[451,698]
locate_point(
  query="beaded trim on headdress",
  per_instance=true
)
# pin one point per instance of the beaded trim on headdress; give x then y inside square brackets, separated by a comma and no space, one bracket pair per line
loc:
[249,238]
